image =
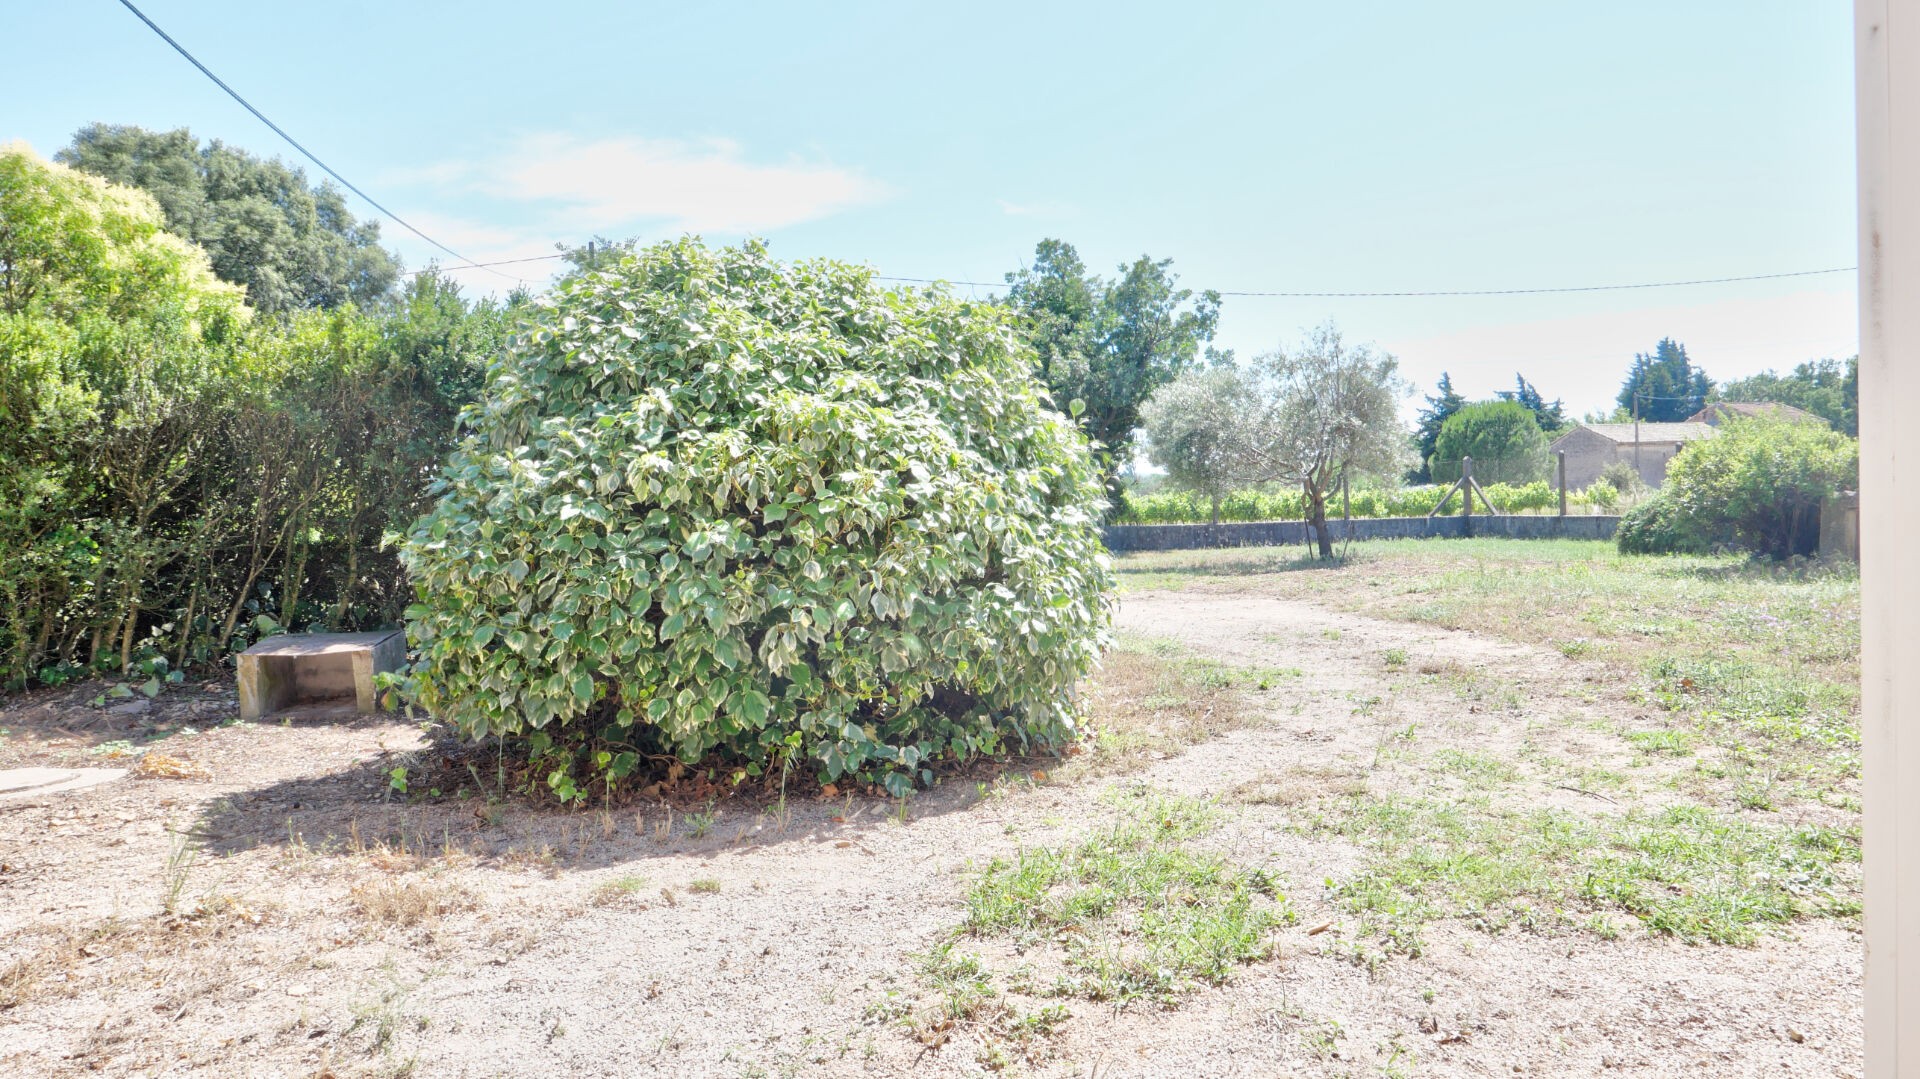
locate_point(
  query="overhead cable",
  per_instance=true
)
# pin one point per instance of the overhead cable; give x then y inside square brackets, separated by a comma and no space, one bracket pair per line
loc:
[295,143]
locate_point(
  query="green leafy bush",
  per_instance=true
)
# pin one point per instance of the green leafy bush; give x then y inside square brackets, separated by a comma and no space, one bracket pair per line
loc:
[1600,495]
[1758,484]
[1623,478]
[1661,525]
[713,505]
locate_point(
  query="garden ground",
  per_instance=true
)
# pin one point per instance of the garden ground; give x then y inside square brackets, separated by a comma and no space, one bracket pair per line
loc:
[1450,808]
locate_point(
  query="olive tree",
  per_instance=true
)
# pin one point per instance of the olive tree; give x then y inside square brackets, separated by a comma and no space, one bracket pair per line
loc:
[1196,427]
[719,507]
[1326,411]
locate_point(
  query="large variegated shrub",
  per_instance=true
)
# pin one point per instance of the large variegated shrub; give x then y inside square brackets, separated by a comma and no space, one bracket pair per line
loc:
[714,505]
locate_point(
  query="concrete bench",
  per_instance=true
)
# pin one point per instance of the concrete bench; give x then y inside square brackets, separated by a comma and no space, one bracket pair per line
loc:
[322,668]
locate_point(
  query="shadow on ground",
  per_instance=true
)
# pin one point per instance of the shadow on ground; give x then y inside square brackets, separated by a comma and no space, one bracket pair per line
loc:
[357,809]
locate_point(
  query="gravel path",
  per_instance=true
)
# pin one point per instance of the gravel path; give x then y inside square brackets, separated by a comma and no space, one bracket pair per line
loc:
[337,934]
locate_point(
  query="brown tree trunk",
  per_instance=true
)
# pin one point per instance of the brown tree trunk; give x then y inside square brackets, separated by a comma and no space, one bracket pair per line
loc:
[1317,518]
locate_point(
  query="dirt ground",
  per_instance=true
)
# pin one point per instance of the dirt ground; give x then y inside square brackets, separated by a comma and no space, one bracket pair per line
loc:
[279,911]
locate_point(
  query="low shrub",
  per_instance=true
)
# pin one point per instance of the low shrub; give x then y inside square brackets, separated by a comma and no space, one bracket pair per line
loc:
[723,508]
[1660,526]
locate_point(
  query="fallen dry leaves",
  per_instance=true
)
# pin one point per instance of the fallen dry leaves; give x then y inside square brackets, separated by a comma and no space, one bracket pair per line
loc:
[162,766]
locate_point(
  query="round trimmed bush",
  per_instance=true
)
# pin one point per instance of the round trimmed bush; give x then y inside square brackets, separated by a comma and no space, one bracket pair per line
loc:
[711,505]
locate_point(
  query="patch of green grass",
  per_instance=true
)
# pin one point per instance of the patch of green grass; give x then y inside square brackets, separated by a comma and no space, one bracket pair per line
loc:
[1394,659]
[1753,657]
[966,998]
[1666,743]
[704,886]
[1778,703]
[612,891]
[699,824]
[1135,911]
[1478,770]
[1684,870]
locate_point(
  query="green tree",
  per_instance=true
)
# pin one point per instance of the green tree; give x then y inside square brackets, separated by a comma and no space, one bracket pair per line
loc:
[1666,384]
[117,346]
[292,246]
[1432,418]
[1550,416]
[1325,412]
[1109,344]
[716,506]
[1502,437]
[1196,427]
[1829,389]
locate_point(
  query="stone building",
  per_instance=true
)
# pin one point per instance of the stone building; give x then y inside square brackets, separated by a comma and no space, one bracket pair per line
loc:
[1591,447]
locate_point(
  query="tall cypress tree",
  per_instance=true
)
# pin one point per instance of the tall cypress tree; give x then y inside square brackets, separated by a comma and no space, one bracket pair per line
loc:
[1551,417]
[1432,418]
[1669,387]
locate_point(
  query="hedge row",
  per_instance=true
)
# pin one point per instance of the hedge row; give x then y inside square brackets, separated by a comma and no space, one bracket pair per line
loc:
[1187,507]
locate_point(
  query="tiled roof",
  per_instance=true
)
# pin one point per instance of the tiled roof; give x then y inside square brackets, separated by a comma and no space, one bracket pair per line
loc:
[1720,409]
[1649,432]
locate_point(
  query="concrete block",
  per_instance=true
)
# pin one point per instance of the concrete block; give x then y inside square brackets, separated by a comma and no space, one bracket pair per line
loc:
[303,668]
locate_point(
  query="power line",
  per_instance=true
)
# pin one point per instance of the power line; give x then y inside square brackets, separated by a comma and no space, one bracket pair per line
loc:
[1569,288]
[295,143]
[471,264]
[1452,292]
[485,265]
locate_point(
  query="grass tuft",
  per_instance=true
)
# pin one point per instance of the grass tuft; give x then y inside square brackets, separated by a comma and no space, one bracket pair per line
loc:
[1684,871]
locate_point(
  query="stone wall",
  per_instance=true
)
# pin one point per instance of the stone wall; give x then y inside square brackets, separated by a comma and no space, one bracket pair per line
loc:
[1124,538]
[1840,527]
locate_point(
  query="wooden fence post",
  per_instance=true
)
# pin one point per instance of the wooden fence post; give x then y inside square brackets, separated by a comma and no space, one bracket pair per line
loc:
[1466,496]
[1562,465]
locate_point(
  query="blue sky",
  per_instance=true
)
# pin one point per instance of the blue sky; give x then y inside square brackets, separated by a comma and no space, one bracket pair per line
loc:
[1262,146]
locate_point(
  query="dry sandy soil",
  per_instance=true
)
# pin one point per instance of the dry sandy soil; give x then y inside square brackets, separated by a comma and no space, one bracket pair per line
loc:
[321,926]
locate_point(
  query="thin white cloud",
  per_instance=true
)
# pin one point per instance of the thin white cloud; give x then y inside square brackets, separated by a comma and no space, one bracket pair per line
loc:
[572,185]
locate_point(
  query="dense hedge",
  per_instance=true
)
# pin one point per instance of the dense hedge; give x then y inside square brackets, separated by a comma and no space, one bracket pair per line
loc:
[177,475]
[1188,507]
[716,506]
